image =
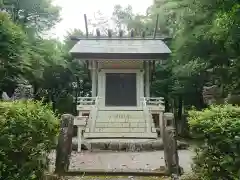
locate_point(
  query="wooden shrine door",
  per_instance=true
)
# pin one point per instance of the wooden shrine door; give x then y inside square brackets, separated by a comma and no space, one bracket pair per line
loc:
[121,89]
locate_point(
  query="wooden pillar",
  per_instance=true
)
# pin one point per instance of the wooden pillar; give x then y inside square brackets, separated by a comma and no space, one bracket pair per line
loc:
[64,147]
[170,145]
[161,123]
[147,79]
[140,85]
[79,138]
[94,78]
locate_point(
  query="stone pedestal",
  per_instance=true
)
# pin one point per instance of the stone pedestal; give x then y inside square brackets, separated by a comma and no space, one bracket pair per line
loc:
[170,145]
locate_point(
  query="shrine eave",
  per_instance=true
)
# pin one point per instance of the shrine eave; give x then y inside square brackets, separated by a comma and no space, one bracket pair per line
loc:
[120,49]
[119,56]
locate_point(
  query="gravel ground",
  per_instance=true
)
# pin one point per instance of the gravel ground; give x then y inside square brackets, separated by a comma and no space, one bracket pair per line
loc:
[123,160]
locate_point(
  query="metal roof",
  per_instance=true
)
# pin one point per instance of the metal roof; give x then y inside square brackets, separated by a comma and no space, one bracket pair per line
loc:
[103,48]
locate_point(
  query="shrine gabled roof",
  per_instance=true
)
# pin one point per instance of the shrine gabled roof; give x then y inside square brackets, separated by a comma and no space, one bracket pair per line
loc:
[121,48]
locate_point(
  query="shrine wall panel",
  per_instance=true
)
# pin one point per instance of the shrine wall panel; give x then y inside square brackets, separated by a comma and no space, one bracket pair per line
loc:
[120,64]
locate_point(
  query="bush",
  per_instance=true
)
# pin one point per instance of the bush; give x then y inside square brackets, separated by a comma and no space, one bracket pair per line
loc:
[218,128]
[189,176]
[28,132]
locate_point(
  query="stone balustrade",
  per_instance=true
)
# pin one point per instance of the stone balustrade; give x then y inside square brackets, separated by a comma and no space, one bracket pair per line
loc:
[153,103]
[86,103]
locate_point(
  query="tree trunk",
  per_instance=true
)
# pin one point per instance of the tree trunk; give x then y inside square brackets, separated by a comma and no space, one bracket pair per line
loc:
[179,124]
[77,94]
[180,107]
[35,91]
[167,106]
[52,99]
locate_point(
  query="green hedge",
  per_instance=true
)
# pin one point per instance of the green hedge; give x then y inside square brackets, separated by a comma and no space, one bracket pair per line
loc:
[28,132]
[218,128]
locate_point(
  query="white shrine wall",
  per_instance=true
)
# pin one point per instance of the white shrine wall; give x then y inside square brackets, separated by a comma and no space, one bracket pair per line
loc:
[120,64]
[99,68]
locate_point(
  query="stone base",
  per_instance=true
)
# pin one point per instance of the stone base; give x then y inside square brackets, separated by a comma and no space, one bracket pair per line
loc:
[119,135]
[131,145]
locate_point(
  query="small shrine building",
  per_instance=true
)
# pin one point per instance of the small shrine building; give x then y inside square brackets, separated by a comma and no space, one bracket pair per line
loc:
[121,68]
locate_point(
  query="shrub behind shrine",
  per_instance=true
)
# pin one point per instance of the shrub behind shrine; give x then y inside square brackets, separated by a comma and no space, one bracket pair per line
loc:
[218,128]
[28,132]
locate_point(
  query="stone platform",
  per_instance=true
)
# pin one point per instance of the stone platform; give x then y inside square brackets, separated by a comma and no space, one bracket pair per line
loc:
[132,145]
[122,160]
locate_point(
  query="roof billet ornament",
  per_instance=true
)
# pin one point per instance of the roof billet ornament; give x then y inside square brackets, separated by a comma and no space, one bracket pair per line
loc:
[120,33]
[98,33]
[132,33]
[74,38]
[109,33]
[143,34]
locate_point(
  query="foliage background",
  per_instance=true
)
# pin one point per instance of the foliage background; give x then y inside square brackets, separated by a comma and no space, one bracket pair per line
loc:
[205,46]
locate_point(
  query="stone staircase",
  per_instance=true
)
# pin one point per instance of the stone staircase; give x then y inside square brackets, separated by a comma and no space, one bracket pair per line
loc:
[120,124]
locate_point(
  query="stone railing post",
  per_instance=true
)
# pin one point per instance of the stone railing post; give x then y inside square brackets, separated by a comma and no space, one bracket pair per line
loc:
[80,122]
[93,118]
[170,144]
[160,118]
[64,147]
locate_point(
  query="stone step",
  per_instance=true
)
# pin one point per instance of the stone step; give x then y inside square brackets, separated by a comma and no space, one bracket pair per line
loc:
[121,125]
[119,135]
[120,130]
[117,130]
[99,119]
[120,114]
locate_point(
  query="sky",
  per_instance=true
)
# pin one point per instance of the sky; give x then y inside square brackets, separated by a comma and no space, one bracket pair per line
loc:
[73,11]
